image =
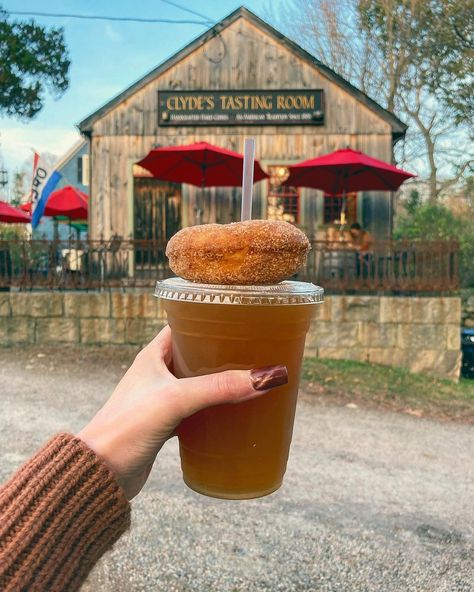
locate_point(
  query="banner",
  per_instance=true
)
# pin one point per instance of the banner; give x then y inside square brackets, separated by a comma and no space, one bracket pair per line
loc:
[44,181]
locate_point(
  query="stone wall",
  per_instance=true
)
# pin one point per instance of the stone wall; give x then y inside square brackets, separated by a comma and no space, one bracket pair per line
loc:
[87,318]
[421,334]
[467,314]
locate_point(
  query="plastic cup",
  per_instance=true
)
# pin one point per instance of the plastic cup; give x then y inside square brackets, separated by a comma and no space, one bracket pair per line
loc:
[238,451]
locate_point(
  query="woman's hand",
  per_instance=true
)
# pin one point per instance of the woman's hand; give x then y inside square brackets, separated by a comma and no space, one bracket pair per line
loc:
[149,403]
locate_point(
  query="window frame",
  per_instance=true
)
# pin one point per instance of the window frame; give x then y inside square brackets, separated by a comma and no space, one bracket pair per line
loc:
[328,198]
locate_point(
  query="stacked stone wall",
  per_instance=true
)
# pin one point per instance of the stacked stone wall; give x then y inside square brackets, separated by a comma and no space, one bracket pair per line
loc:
[106,318]
[467,314]
[421,334]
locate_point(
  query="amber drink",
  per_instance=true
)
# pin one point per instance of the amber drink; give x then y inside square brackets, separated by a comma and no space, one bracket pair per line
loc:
[238,451]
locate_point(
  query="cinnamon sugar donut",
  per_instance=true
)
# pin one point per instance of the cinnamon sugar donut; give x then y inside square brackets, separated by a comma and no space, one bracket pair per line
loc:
[251,252]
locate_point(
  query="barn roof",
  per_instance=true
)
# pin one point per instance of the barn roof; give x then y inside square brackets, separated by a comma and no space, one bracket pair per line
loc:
[67,156]
[398,127]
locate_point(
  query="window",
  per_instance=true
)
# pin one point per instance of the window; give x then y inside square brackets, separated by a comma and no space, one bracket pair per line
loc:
[333,205]
[283,203]
[83,169]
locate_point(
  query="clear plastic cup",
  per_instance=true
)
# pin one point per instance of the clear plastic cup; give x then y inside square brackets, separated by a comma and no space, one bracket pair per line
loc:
[238,451]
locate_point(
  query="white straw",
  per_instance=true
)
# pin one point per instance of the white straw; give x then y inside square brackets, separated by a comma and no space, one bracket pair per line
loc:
[247,180]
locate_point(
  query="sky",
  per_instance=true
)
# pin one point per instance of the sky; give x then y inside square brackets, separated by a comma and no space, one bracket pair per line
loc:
[106,58]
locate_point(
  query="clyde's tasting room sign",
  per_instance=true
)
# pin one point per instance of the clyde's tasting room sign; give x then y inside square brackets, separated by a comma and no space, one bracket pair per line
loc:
[249,107]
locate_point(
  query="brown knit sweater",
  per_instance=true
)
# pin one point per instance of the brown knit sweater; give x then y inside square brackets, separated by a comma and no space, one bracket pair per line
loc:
[58,514]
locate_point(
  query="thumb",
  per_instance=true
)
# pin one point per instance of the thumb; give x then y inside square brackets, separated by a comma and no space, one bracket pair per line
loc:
[231,386]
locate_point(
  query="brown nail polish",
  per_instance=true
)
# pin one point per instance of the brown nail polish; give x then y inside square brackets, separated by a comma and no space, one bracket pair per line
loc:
[268,377]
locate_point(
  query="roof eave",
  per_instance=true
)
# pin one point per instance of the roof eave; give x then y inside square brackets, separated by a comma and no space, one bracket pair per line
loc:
[71,153]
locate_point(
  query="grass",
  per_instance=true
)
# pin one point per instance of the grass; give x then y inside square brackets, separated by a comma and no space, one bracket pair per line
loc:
[372,385]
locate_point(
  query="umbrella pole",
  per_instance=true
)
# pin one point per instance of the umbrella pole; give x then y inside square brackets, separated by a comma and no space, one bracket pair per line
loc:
[344,208]
[198,206]
[200,201]
[344,204]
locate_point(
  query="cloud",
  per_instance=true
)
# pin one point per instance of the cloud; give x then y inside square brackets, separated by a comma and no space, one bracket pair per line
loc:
[112,34]
[17,143]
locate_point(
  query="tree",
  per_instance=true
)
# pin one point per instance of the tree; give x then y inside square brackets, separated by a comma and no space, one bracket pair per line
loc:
[413,201]
[434,136]
[453,46]
[329,29]
[398,29]
[19,186]
[423,32]
[33,59]
[400,53]
[429,222]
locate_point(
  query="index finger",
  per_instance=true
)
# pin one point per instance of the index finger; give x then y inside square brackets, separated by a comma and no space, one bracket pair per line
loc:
[159,348]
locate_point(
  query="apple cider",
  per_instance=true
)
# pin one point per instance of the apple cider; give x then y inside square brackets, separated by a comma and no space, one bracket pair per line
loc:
[239,451]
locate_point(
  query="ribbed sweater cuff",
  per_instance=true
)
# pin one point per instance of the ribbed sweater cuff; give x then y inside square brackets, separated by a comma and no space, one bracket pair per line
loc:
[58,514]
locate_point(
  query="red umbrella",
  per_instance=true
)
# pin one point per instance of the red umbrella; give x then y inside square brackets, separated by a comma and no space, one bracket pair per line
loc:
[346,170]
[11,215]
[67,201]
[200,164]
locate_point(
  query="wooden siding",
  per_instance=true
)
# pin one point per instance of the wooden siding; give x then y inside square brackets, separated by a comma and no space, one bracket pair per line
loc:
[243,57]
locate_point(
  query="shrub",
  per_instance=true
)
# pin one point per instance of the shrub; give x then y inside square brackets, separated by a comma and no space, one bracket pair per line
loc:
[434,221]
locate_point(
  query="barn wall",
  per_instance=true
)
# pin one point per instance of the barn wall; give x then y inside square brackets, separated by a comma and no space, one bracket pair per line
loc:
[243,57]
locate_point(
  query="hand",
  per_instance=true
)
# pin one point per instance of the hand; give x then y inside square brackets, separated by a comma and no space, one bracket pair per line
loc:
[149,403]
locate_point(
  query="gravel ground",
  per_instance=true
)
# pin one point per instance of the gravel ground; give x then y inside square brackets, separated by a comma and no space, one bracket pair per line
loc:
[371,501]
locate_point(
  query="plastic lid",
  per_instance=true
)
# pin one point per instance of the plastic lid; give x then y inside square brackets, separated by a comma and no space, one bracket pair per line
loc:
[288,292]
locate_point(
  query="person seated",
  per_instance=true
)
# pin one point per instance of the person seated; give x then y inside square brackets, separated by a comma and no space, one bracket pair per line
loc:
[332,235]
[361,239]
[337,237]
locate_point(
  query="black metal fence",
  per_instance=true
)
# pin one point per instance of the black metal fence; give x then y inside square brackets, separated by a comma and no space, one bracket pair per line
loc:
[390,266]
[81,264]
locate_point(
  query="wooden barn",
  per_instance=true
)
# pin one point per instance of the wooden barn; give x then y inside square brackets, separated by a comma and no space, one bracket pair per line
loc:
[241,78]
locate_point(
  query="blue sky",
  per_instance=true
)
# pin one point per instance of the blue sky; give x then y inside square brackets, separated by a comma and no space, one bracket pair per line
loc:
[106,58]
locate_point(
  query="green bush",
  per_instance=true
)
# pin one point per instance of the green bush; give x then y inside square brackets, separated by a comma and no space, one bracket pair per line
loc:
[434,221]
[13,231]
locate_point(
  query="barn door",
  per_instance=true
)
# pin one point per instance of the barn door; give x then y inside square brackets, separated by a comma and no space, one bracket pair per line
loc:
[157,216]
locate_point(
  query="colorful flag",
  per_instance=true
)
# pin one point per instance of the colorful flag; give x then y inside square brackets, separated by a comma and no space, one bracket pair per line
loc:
[44,181]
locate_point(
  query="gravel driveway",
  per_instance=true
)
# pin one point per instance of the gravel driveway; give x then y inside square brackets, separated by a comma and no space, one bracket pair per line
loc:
[371,502]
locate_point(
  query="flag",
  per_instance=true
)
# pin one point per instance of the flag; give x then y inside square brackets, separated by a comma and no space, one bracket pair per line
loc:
[44,181]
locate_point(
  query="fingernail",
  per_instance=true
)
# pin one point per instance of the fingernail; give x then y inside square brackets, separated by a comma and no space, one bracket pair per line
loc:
[268,377]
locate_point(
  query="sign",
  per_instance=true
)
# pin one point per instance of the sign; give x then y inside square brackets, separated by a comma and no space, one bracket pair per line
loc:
[245,107]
